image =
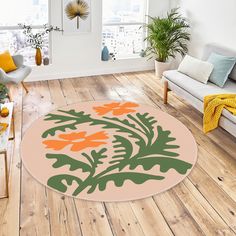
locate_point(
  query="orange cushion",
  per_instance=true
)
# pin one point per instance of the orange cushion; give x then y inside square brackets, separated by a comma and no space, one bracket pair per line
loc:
[6,62]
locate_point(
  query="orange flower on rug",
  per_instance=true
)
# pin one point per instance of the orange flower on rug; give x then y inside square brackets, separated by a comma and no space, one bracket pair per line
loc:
[78,141]
[116,108]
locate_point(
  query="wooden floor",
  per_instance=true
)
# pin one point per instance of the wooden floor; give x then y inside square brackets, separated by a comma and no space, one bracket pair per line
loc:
[204,204]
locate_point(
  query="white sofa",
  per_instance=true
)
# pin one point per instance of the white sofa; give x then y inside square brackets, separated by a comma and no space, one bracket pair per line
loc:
[194,91]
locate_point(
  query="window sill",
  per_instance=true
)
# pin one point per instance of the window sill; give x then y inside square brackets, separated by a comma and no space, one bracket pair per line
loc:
[136,57]
[35,66]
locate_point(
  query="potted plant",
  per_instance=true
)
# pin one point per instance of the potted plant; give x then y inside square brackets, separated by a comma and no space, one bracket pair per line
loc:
[167,37]
[3,92]
[36,40]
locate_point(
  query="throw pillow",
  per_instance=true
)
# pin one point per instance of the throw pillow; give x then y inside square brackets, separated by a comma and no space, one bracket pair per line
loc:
[196,69]
[6,62]
[223,66]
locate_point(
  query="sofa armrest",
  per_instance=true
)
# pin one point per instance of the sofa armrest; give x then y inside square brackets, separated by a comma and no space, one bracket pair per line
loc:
[18,60]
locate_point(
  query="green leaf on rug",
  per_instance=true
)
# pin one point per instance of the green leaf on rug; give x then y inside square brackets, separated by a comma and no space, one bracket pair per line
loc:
[120,178]
[61,182]
[123,149]
[165,164]
[146,122]
[64,160]
[72,115]
[96,157]
[161,145]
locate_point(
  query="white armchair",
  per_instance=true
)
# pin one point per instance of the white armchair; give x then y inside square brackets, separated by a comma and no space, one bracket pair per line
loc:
[17,76]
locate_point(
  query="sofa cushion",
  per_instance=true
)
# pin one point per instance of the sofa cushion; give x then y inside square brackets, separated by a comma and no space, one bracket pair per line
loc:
[7,62]
[200,90]
[223,66]
[210,48]
[196,69]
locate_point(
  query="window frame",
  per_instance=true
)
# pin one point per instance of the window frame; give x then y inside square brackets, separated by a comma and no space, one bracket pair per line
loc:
[16,27]
[145,21]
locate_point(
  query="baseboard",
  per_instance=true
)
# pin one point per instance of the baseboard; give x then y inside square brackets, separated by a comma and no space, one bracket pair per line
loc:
[53,76]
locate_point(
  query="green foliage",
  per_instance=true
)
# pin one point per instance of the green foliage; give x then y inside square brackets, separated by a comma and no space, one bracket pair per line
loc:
[162,144]
[167,36]
[57,182]
[120,178]
[123,149]
[61,182]
[96,157]
[64,160]
[151,151]
[76,117]
[165,164]
[3,92]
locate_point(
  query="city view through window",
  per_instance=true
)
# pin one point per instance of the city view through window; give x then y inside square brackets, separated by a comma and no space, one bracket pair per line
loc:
[29,12]
[122,26]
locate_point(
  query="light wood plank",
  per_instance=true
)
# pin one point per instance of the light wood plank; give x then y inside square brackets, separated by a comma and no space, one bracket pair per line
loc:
[177,216]
[220,201]
[123,219]
[34,207]
[211,224]
[150,218]
[93,219]
[10,208]
[83,93]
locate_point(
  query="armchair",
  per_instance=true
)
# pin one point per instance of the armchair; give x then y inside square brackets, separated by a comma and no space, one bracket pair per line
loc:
[17,76]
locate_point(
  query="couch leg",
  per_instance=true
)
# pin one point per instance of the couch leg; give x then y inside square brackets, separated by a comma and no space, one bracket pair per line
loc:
[166,90]
[24,86]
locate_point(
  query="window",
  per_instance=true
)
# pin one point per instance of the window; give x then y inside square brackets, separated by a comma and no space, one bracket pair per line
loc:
[122,31]
[29,12]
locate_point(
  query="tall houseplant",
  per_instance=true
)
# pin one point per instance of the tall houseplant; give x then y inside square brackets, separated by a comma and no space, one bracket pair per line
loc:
[167,37]
[36,40]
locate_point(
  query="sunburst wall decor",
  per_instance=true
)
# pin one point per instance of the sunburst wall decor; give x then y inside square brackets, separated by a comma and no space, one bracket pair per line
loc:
[77,9]
[76,16]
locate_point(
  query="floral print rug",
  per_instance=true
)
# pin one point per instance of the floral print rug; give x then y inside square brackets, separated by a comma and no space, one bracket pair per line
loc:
[109,151]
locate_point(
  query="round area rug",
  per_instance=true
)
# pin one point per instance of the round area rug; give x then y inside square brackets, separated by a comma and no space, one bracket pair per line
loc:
[109,151]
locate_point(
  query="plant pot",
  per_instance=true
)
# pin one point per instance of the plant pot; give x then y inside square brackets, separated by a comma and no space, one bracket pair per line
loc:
[161,67]
[38,57]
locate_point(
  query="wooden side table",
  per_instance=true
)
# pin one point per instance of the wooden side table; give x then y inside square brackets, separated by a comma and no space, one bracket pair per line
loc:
[4,139]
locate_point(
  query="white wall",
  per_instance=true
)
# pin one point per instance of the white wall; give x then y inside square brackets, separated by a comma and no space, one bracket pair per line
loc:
[212,21]
[80,55]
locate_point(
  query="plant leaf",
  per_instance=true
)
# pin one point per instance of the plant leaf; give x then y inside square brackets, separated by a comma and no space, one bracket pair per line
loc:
[165,164]
[124,150]
[98,156]
[72,115]
[62,128]
[120,178]
[64,160]
[56,182]
[161,145]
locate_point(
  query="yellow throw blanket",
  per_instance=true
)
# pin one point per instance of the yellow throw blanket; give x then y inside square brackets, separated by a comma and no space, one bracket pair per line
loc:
[213,108]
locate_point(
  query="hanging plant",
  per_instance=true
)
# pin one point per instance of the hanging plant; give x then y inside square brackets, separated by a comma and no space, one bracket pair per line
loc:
[77,9]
